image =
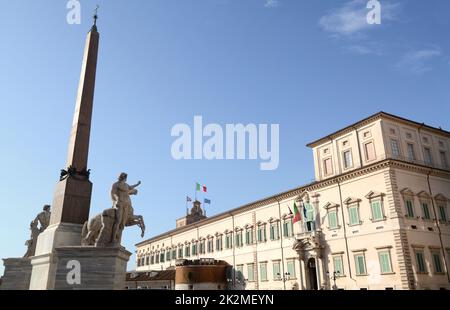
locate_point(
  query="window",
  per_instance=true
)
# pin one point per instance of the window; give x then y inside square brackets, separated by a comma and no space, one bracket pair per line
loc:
[210,245]
[174,253]
[288,228]
[332,219]
[348,160]
[370,151]
[428,156]
[353,214]
[328,166]
[180,251]
[442,213]
[202,246]
[161,259]
[338,265]
[367,134]
[360,262]
[239,241]
[411,154]
[219,243]
[194,248]
[274,231]
[251,272]
[240,271]
[187,252]
[408,136]
[395,148]
[276,271]
[420,260]
[309,217]
[392,131]
[425,211]
[377,211]
[147,260]
[385,261]
[229,241]
[444,161]
[168,255]
[409,208]
[291,268]
[262,233]
[263,271]
[152,259]
[157,258]
[249,235]
[437,263]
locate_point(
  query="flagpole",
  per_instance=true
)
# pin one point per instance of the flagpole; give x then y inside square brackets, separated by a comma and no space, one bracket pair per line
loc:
[195,193]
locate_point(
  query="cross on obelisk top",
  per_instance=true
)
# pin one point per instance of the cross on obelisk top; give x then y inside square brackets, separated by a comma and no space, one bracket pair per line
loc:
[95,17]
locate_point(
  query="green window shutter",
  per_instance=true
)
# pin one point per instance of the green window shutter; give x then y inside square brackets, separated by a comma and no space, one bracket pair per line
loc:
[291,269]
[332,219]
[354,217]
[360,265]
[437,262]
[442,215]
[409,208]
[263,271]
[420,262]
[385,262]
[272,232]
[276,270]
[426,211]
[338,268]
[377,213]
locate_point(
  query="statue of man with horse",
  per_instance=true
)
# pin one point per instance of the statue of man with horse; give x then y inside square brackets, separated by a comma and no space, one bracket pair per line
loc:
[106,228]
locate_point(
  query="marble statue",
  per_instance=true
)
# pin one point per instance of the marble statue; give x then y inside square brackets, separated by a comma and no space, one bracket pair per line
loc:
[105,229]
[42,219]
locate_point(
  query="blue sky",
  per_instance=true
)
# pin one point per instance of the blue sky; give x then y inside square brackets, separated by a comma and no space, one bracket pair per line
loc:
[310,66]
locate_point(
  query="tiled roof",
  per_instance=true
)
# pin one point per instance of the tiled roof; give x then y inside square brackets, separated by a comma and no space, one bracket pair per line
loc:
[151,275]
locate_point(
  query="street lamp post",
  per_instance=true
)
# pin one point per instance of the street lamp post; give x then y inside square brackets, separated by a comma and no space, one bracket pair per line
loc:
[334,277]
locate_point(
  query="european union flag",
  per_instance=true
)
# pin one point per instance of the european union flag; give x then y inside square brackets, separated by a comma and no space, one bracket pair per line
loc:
[207,201]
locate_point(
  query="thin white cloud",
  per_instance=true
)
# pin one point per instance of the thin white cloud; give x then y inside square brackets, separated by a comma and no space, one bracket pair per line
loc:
[272,4]
[351,18]
[419,61]
[364,49]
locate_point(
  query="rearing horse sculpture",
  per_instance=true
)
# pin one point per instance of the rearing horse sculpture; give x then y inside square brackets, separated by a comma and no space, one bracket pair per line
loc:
[105,229]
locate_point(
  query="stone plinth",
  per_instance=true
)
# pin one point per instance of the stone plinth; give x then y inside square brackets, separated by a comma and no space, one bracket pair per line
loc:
[17,274]
[100,268]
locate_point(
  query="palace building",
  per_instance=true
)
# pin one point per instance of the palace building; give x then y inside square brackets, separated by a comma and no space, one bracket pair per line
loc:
[376,217]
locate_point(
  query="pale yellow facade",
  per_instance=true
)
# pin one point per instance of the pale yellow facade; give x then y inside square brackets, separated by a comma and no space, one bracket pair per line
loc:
[378,213]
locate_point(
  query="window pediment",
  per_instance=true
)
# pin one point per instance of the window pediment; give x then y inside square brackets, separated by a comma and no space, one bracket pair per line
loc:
[374,194]
[423,195]
[287,216]
[440,197]
[352,200]
[260,223]
[407,192]
[303,197]
[330,205]
[272,220]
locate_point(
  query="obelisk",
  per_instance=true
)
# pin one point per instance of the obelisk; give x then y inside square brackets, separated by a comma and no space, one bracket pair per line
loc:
[71,202]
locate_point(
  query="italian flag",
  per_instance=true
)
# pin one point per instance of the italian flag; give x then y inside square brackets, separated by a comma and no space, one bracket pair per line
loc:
[297,215]
[201,188]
